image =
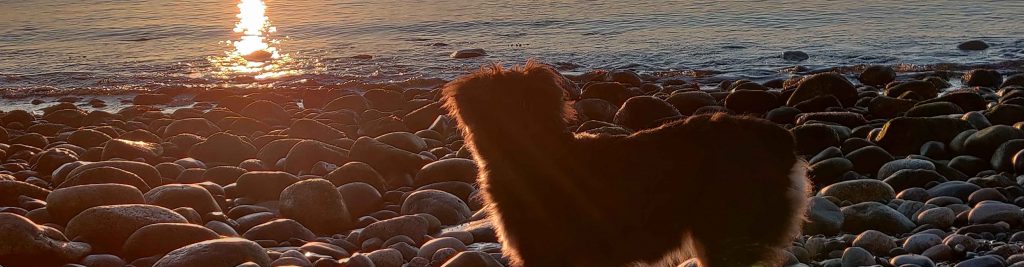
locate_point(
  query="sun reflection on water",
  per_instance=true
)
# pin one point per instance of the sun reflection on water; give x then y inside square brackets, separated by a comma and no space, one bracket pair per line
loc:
[254,53]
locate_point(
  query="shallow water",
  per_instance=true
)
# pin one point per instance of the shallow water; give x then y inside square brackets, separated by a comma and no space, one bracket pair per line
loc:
[119,44]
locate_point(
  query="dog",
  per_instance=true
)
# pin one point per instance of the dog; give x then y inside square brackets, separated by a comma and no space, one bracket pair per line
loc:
[726,190]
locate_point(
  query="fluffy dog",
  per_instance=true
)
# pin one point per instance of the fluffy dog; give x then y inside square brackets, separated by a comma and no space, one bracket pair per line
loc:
[726,190]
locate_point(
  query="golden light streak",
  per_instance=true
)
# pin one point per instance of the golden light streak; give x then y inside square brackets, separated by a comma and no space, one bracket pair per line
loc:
[253,53]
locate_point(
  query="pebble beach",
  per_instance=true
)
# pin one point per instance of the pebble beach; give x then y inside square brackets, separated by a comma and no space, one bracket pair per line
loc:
[907,171]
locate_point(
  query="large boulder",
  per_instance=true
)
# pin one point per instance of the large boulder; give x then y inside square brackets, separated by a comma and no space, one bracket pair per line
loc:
[11,190]
[107,227]
[174,196]
[453,169]
[316,204]
[446,207]
[225,252]
[23,243]
[411,226]
[396,165]
[222,149]
[144,171]
[106,175]
[306,153]
[644,112]
[197,126]
[824,84]
[161,238]
[875,216]
[903,136]
[279,230]
[857,191]
[65,203]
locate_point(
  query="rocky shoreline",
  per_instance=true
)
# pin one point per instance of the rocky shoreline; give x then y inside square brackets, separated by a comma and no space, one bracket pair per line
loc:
[907,172]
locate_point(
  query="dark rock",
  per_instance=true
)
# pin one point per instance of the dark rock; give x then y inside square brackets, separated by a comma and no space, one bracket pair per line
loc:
[823,217]
[992,212]
[612,92]
[223,149]
[595,109]
[161,238]
[857,191]
[468,53]
[877,76]
[397,166]
[317,205]
[957,189]
[23,243]
[356,172]
[973,45]
[877,216]
[812,138]
[360,198]
[910,178]
[824,84]
[983,77]
[1005,114]
[985,142]
[969,165]
[934,109]
[889,107]
[924,89]
[225,252]
[197,126]
[902,136]
[795,56]
[414,227]
[751,101]
[454,169]
[279,230]
[867,160]
[446,207]
[644,112]
[105,175]
[173,196]
[829,171]
[107,227]
[687,103]
[1002,158]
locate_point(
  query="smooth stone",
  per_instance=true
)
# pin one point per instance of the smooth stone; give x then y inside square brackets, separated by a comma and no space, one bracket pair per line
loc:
[877,242]
[991,212]
[279,230]
[940,217]
[414,227]
[856,257]
[65,203]
[225,252]
[911,260]
[431,247]
[918,243]
[107,227]
[454,169]
[857,191]
[360,198]
[23,243]
[448,208]
[223,149]
[318,205]
[904,164]
[183,195]
[877,216]
[161,238]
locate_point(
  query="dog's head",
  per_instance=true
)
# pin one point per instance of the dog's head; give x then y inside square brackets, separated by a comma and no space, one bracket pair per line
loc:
[496,98]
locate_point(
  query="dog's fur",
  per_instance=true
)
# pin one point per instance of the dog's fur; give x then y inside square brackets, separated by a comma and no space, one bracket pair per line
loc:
[726,190]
